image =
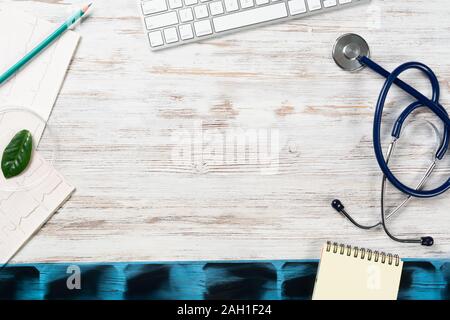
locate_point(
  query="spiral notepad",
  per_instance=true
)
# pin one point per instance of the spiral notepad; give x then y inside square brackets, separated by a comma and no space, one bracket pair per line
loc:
[352,273]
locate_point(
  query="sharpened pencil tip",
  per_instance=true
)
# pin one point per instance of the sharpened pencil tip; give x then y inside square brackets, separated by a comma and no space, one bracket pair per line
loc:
[86,7]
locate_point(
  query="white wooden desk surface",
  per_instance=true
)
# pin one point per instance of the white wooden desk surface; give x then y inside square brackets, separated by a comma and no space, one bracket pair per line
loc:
[121,106]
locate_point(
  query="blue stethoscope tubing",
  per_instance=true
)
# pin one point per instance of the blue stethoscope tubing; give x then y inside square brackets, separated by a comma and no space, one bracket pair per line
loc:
[422,101]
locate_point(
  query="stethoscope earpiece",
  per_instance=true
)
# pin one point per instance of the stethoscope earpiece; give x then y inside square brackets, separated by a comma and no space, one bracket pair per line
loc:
[337,205]
[427,241]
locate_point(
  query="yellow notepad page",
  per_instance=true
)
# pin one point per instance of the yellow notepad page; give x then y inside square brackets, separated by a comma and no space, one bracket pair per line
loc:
[351,273]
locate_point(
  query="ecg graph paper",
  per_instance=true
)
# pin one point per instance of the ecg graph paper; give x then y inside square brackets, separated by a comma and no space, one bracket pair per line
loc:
[38,193]
[37,85]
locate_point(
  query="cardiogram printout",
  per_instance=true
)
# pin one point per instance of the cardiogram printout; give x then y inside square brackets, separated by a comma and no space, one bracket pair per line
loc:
[30,199]
[36,86]
[41,189]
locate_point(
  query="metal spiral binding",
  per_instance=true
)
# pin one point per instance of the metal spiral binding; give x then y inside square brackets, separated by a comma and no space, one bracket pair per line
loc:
[363,253]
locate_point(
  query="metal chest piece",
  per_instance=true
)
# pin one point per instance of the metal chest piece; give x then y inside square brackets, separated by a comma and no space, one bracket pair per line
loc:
[347,49]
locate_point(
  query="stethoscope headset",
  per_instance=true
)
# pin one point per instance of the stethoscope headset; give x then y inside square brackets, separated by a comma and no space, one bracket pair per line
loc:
[351,52]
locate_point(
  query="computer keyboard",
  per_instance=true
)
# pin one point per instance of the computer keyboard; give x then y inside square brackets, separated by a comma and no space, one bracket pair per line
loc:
[171,23]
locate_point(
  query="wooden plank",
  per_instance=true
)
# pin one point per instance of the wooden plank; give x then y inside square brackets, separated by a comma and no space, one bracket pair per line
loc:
[123,109]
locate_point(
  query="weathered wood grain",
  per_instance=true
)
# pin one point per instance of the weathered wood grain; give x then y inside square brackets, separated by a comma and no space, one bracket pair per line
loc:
[121,107]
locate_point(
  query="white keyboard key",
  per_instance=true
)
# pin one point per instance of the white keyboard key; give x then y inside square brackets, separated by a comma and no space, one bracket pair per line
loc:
[329,3]
[175,4]
[190,2]
[247,3]
[202,28]
[201,11]
[161,20]
[297,7]
[261,2]
[216,8]
[156,39]
[344,1]
[171,35]
[250,17]
[314,5]
[154,6]
[186,32]
[186,15]
[231,5]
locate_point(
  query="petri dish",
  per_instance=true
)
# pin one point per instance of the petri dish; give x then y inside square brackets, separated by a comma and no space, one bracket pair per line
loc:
[14,119]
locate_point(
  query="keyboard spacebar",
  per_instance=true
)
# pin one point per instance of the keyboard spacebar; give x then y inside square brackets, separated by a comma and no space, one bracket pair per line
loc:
[250,17]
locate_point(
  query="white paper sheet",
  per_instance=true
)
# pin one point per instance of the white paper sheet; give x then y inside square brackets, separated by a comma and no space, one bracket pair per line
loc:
[23,210]
[37,85]
[22,213]
[30,199]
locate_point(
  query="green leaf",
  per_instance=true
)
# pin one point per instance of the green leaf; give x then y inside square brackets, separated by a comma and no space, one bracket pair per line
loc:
[17,154]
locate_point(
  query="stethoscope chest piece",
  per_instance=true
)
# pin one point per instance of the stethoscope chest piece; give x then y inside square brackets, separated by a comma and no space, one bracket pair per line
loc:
[347,49]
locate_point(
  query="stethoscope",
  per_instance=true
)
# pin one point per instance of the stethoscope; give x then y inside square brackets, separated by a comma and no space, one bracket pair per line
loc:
[351,52]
